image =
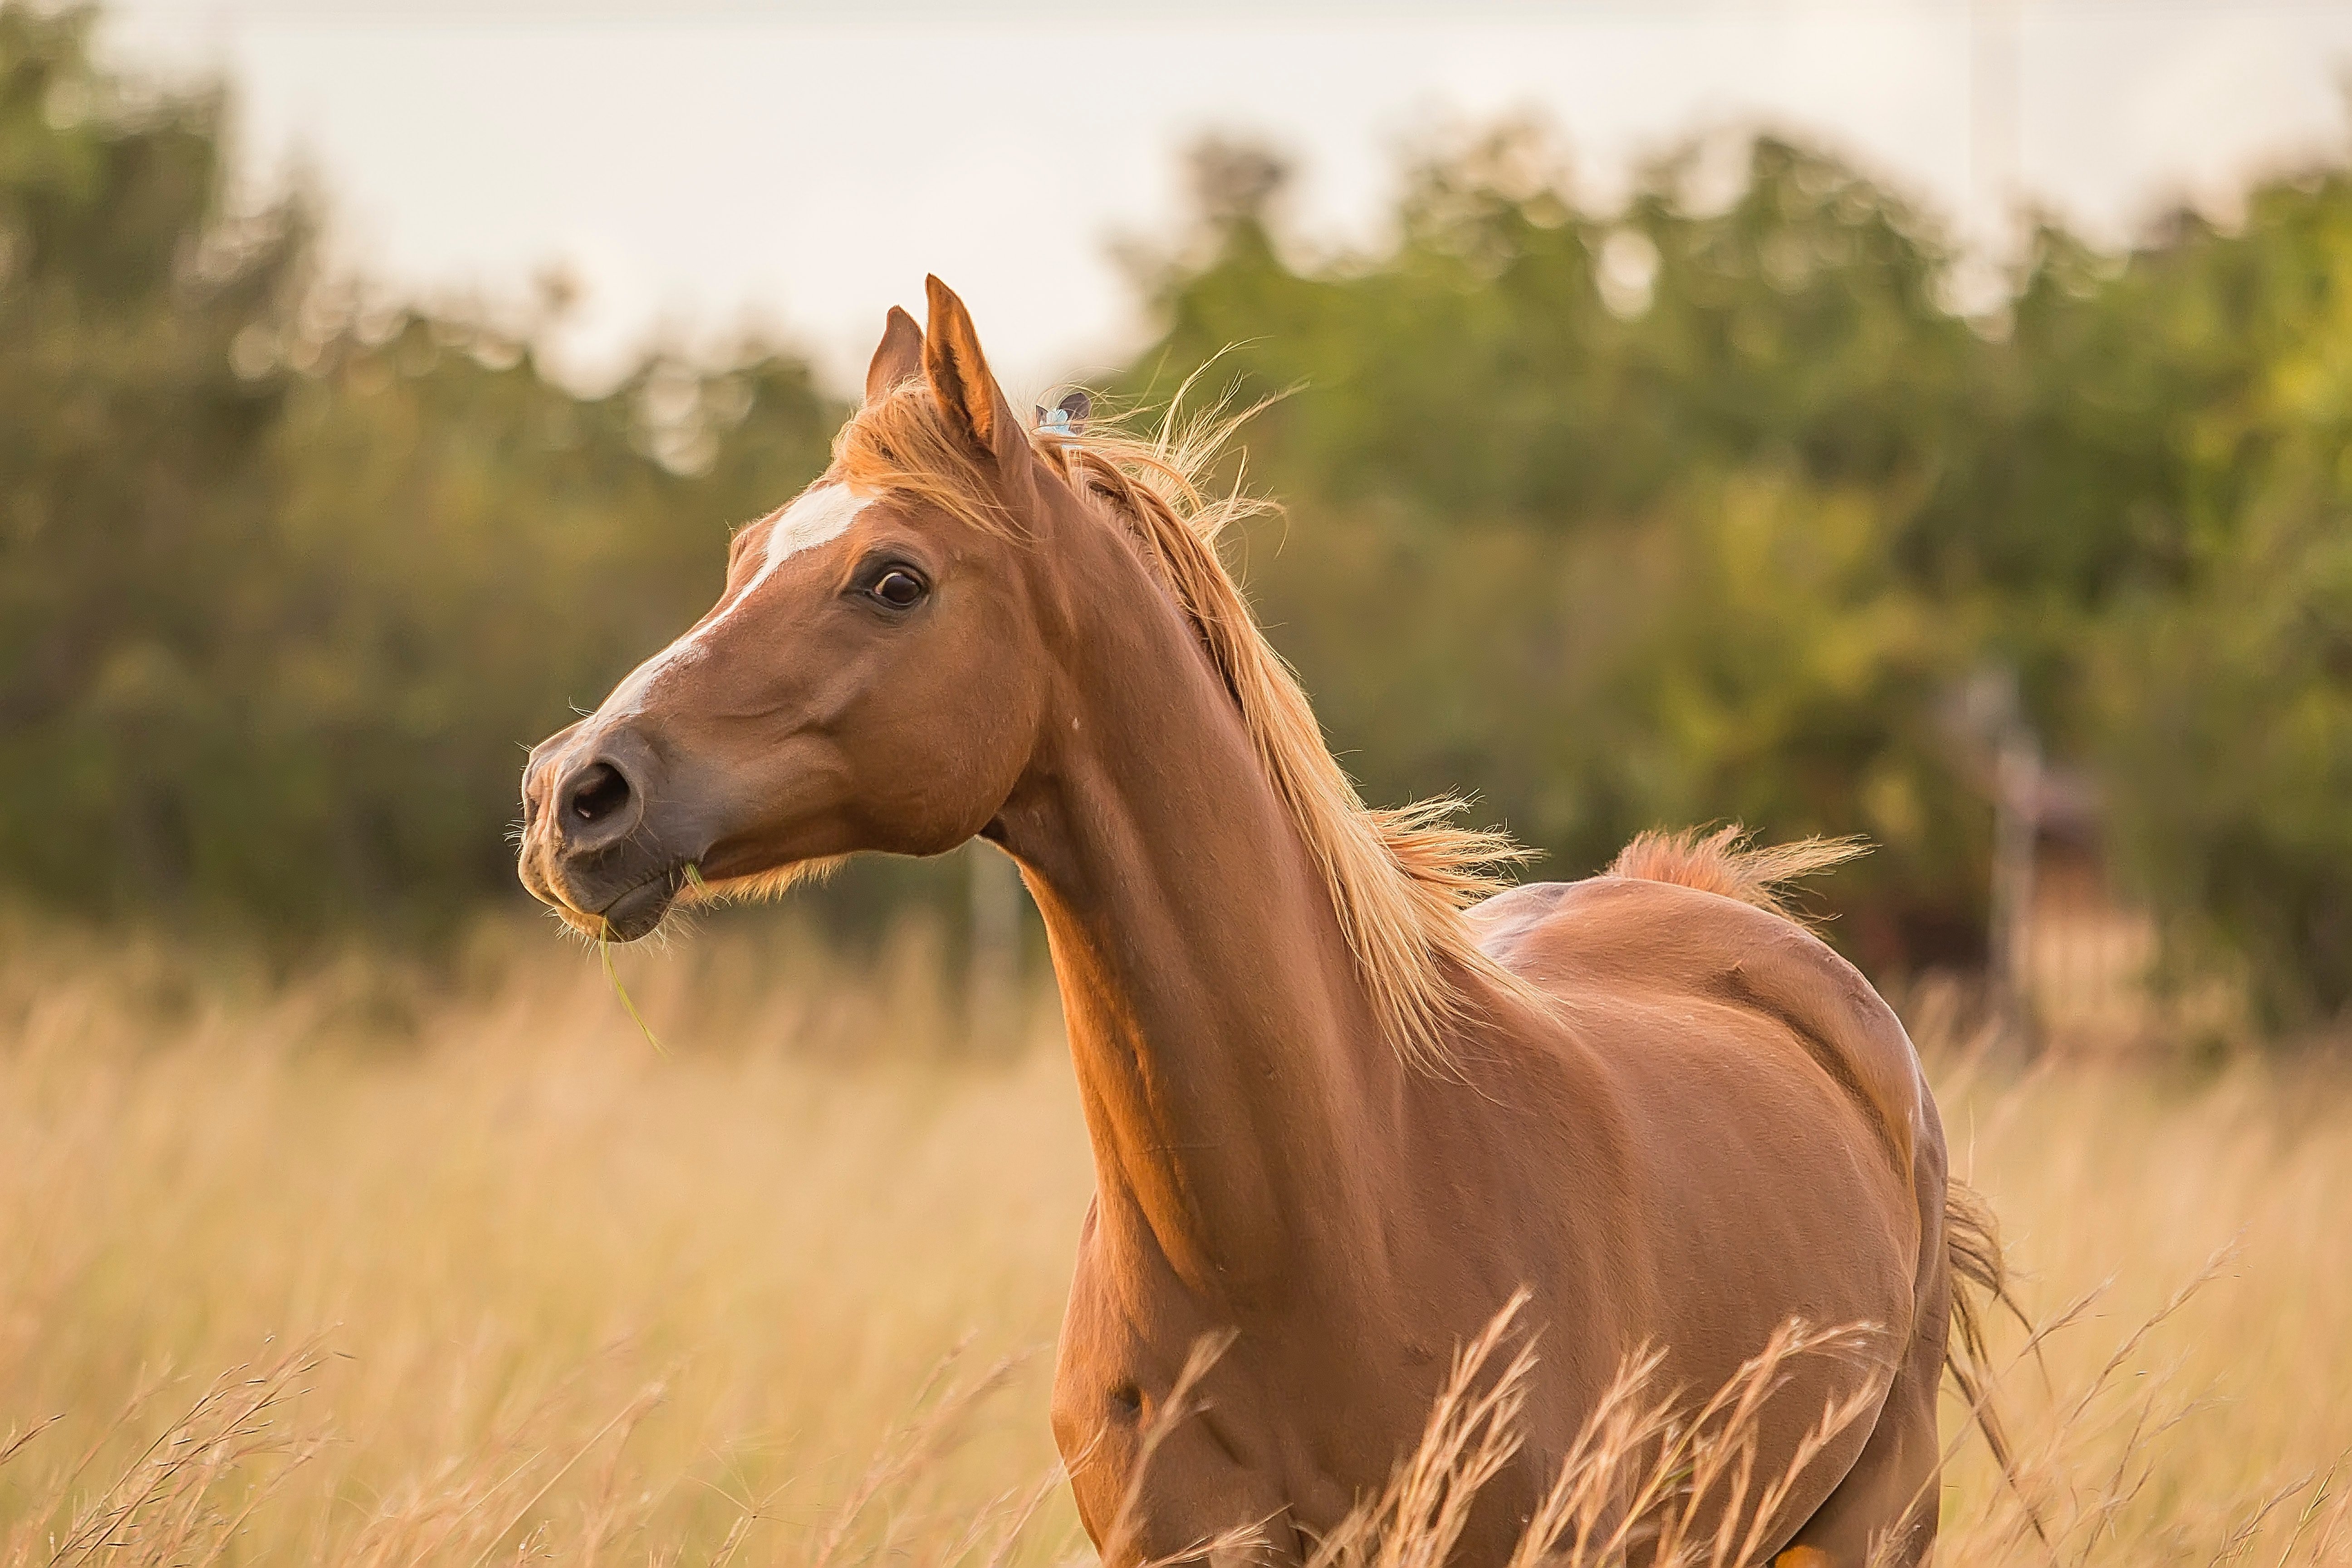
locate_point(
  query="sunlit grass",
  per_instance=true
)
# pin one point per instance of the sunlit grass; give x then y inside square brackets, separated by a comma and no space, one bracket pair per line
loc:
[382,1264]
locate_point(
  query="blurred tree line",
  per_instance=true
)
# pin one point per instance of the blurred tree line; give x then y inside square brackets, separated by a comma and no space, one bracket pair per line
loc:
[1713,506]
[287,580]
[1717,507]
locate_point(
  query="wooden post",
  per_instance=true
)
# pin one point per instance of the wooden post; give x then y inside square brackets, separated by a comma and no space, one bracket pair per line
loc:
[2016,827]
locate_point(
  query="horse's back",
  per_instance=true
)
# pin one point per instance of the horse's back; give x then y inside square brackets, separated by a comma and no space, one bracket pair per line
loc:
[1609,948]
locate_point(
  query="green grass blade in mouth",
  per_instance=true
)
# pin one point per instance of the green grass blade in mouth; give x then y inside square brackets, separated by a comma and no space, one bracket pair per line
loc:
[605,951]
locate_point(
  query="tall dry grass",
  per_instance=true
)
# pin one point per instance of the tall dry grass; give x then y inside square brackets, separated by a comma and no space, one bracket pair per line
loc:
[370,1264]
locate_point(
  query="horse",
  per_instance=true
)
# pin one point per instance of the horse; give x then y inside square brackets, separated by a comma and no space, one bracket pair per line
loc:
[1346,1093]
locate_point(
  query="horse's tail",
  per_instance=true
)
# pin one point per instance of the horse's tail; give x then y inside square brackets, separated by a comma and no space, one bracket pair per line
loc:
[1979,1270]
[1725,862]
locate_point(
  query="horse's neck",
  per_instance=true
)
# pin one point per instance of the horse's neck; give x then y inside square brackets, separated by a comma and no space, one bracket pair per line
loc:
[1233,1077]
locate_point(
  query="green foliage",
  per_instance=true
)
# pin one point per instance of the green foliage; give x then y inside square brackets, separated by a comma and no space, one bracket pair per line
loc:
[285,584]
[2223,707]
[1704,510]
[130,447]
[1616,519]
[1707,507]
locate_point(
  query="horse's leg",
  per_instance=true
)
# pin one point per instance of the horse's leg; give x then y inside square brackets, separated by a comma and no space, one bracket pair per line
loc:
[1181,1495]
[1185,1514]
[1888,1502]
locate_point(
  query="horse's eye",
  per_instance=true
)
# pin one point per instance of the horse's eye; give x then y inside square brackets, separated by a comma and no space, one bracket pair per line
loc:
[899,589]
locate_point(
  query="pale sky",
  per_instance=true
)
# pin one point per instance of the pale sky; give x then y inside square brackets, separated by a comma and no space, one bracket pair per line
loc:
[705,166]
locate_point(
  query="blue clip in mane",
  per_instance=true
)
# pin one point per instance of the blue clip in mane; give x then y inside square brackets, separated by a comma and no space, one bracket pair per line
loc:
[1066,418]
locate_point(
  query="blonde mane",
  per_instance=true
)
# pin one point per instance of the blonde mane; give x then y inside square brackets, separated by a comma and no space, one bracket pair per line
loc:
[1725,863]
[1400,879]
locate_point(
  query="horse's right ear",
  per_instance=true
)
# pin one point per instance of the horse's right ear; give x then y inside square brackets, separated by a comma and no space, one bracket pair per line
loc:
[967,392]
[899,357]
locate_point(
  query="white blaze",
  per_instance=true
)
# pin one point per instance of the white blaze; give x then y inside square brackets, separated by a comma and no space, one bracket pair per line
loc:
[820,516]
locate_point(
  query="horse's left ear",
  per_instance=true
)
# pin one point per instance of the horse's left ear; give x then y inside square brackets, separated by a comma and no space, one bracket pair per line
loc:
[967,392]
[898,358]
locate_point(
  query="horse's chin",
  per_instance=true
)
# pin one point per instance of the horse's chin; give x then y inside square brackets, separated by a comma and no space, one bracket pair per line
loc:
[640,911]
[635,913]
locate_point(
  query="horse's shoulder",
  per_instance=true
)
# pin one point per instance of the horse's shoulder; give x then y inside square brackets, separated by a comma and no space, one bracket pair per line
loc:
[1660,942]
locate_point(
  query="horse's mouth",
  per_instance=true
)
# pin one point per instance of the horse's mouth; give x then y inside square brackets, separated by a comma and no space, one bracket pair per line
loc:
[638,911]
[633,913]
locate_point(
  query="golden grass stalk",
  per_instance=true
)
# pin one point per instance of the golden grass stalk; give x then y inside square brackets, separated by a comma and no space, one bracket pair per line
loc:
[525,1290]
[613,978]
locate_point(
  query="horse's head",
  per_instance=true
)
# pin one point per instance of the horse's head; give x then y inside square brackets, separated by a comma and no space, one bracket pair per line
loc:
[872,678]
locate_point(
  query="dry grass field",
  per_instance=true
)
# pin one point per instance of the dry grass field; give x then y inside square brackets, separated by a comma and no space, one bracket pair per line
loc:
[373,1264]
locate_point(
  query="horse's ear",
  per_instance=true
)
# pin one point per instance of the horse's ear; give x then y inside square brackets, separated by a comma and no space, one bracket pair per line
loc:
[898,358]
[960,380]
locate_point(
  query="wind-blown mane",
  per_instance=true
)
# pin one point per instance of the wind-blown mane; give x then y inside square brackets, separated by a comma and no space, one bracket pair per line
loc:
[1400,879]
[1724,862]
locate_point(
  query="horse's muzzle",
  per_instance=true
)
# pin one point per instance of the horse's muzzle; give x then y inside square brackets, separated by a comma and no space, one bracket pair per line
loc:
[592,847]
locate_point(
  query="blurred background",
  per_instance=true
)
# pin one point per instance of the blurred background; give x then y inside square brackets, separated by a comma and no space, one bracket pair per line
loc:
[1919,419]
[1929,421]
[1924,422]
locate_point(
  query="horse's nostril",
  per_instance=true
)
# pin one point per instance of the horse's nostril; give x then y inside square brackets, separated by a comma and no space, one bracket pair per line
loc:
[596,792]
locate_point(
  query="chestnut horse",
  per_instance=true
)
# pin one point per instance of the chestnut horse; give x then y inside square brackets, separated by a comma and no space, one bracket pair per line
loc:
[1340,1107]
